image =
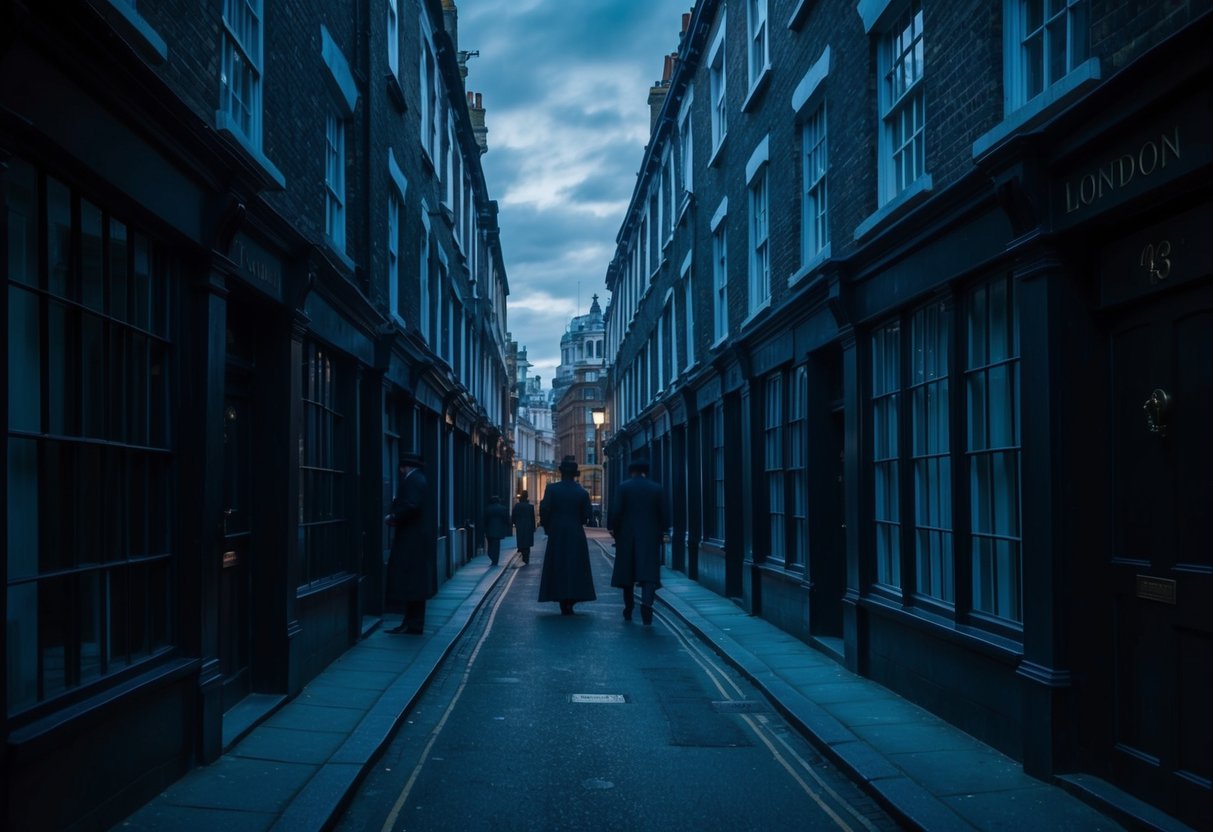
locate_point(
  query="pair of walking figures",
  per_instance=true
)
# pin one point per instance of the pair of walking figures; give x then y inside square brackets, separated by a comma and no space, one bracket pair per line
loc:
[637,518]
[498,523]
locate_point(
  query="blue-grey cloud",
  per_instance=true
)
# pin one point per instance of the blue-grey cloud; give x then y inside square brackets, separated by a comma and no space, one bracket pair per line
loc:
[565,85]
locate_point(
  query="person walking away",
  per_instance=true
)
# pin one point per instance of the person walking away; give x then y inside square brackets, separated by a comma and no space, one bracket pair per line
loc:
[412,568]
[523,518]
[637,519]
[496,526]
[563,513]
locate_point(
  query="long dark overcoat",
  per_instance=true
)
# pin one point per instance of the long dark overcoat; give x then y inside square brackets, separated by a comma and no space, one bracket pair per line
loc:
[412,567]
[563,513]
[638,518]
[523,518]
[496,521]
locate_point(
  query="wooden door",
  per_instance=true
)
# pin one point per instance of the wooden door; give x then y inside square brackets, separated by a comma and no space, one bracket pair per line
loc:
[1159,613]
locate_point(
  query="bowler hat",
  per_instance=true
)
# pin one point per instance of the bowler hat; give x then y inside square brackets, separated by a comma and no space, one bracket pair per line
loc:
[568,465]
[639,465]
[411,459]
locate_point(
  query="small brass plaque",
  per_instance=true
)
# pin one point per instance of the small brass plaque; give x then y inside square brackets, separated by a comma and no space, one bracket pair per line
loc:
[1156,589]
[230,559]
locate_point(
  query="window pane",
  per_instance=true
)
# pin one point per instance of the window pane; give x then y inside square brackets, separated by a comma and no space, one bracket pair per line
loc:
[993,437]
[21,646]
[55,613]
[24,361]
[59,238]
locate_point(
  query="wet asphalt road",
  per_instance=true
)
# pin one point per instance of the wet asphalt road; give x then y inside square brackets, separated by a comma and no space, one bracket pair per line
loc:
[497,741]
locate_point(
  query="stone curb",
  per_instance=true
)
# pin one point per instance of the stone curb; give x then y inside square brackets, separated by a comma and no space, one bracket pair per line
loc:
[316,806]
[905,799]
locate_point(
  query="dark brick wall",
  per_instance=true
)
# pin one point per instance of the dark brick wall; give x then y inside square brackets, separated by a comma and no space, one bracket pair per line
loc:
[297,97]
[963,81]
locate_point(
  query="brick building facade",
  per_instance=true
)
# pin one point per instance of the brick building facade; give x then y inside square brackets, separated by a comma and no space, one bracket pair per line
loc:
[251,257]
[895,312]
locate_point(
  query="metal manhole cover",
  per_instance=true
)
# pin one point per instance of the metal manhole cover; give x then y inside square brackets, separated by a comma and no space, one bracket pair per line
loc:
[598,698]
[738,706]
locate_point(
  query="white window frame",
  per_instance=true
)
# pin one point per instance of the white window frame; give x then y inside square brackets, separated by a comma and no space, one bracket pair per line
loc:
[814,153]
[720,272]
[901,162]
[758,45]
[672,210]
[1073,19]
[430,89]
[243,42]
[659,353]
[393,254]
[686,141]
[688,305]
[393,37]
[334,180]
[718,82]
[758,195]
[424,272]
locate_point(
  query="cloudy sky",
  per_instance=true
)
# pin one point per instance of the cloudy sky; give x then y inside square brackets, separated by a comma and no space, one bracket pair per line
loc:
[565,85]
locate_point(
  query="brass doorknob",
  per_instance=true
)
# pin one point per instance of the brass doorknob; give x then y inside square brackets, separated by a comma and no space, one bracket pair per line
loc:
[1156,408]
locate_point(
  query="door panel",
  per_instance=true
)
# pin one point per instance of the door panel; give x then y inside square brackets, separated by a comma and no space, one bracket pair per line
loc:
[1194,434]
[235,611]
[1160,573]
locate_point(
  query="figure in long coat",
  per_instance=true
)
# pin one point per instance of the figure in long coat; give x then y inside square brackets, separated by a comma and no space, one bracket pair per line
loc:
[496,526]
[564,513]
[523,518]
[412,567]
[638,519]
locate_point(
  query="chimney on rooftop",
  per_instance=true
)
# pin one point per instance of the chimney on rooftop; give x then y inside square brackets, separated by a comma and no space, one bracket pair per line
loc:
[660,90]
[450,21]
[476,113]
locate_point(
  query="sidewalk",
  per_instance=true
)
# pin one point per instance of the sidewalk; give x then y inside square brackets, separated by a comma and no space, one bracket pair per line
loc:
[294,771]
[927,773]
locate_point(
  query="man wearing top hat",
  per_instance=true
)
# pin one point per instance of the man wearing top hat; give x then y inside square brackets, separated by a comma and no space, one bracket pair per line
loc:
[637,519]
[564,513]
[412,567]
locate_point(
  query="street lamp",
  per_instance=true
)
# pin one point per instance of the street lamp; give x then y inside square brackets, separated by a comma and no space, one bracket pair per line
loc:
[598,414]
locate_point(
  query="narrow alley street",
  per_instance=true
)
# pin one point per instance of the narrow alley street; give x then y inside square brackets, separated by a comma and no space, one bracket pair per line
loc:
[541,721]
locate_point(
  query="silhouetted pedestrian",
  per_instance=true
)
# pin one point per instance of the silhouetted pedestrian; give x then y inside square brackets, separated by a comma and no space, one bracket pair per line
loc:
[638,519]
[412,568]
[523,518]
[563,513]
[496,526]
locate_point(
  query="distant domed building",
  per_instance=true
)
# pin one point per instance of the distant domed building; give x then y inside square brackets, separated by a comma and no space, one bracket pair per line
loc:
[578,392]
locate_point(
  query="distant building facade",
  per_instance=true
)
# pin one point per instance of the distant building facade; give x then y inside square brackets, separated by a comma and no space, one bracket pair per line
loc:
[579,390]
[907,309]
[534,439]
[251,258]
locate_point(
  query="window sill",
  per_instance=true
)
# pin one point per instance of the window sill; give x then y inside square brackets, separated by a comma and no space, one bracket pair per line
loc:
[756,89]
[762,307]
[716,151]
[134,29]
[1028,115]
[399,321]
[719,342]
[338,251]
[916,193]
[225,125]
[803,7]
[97,706]
[685,205]
[813,265]
[396,92]
[996,647]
